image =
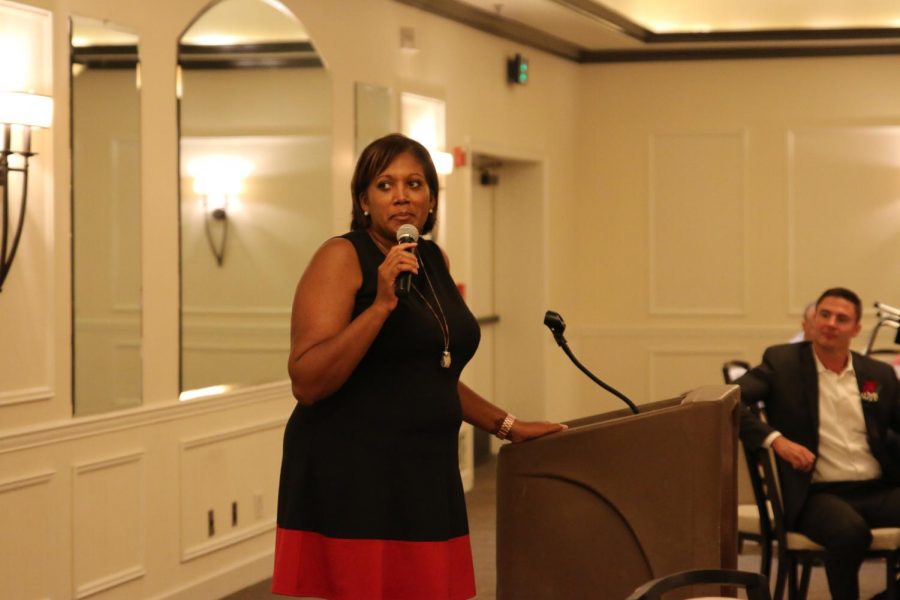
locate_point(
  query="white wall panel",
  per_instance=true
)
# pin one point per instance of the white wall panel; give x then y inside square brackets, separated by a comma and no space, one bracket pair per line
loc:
[108,523]
[697,203]
[25,503]
[844,207]
[224,470]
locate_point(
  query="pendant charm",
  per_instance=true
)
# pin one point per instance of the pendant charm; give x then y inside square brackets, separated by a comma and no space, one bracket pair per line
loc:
[445,359]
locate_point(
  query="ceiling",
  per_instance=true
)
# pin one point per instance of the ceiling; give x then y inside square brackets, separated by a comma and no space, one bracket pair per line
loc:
[634,30]
[591,31]
[228,34]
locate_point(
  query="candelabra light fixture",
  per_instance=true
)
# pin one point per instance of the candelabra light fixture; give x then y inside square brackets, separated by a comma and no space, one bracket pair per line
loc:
[19,113]
[219,180]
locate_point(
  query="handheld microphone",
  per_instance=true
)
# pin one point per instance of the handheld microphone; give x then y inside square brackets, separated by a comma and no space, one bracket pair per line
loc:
[407,234]
[556,324]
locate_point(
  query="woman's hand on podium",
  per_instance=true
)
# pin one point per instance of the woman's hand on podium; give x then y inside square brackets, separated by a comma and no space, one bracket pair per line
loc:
[528,430]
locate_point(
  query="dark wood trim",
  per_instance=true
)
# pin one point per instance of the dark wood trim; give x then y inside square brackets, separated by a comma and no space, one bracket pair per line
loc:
[777,35]
[108,63]
[737,53]
[608,16]
[272,55]
[106,57]
[130,49]
[311,62]
[496,25]
[276,55]
[263,48]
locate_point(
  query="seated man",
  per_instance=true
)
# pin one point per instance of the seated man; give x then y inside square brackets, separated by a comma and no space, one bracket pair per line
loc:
[829,412]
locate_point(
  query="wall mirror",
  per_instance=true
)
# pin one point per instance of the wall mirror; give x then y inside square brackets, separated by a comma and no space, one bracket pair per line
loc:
[373,113]
[255,194]
[106,216]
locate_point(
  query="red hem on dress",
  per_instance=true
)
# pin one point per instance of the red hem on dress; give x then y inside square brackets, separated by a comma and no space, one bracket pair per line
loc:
[311,564]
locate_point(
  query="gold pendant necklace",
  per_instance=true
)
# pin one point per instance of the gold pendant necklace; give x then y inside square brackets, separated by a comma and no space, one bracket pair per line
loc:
[446,359]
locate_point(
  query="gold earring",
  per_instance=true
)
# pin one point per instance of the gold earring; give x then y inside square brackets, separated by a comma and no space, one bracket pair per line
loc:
[365,213]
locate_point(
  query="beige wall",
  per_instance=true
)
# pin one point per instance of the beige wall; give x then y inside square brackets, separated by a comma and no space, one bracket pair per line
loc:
[717,198]
[688,211]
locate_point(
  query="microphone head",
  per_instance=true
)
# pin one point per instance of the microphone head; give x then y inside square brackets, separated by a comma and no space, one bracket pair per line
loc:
[407,234]
[555,322]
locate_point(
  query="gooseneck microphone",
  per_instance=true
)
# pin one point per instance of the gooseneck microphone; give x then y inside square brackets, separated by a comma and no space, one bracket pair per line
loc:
[406,234]
[557,326]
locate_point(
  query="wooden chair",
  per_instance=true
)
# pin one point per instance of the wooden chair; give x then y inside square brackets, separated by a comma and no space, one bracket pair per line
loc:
[756,586]
[749,526]
[887,316]
[795,550]
[733,369]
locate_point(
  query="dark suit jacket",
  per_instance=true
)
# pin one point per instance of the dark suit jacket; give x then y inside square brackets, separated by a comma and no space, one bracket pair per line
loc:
[787,383]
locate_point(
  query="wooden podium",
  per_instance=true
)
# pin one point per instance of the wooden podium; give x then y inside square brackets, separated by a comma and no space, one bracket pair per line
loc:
[619,499]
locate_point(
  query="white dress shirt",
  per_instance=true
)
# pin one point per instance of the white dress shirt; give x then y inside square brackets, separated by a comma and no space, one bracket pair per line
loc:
[843,453]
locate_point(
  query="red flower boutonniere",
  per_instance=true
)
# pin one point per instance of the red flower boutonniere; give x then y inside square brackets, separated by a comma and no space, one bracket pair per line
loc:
[869,391]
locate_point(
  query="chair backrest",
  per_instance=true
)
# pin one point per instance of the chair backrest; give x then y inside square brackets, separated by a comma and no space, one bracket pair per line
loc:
[887,316]
[733,369]
[755,584]
[767,494]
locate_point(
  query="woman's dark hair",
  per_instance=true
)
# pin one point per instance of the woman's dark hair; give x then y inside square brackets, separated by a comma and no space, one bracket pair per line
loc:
[375,159]
[848,295]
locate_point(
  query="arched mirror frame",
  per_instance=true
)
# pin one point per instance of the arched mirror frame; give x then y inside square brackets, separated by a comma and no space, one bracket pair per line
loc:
[239,265]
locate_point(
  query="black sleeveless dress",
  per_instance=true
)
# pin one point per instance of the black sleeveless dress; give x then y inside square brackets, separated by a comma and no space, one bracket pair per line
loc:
[370,504]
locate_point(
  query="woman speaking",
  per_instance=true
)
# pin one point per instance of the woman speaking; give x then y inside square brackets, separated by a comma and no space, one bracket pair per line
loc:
[371,504]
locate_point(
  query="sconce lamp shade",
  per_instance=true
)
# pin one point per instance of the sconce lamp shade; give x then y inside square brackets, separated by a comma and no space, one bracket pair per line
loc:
[443,162]
[219,175]
[22,108]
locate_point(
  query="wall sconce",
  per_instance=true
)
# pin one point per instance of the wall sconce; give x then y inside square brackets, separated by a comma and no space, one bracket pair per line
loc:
[19,112]
[219,180]
[443,162]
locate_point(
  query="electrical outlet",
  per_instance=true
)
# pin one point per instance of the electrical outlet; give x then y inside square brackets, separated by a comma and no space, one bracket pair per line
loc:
[210,523]
[234,514]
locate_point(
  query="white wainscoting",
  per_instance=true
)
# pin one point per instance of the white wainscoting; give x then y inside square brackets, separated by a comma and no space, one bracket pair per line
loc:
[222,468]
[94,504]
[25,504]
[108,523]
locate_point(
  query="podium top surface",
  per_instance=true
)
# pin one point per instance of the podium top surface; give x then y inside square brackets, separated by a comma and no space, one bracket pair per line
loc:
[724,398]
